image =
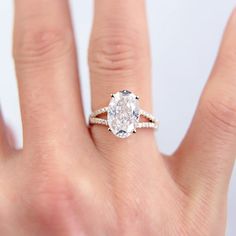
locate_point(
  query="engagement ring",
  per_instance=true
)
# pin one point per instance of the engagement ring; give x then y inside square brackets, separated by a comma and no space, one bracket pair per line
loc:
[123,115]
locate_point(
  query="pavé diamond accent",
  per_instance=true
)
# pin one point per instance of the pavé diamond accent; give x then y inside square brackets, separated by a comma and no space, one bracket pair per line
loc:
[123,113]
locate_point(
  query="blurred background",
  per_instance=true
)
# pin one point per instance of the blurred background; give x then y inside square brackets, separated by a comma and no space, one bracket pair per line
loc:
[185,36]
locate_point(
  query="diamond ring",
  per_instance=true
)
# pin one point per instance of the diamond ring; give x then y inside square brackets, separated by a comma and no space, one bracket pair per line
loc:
[123,115]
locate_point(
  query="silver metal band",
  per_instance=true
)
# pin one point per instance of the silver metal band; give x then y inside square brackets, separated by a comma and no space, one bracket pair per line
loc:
[152,123]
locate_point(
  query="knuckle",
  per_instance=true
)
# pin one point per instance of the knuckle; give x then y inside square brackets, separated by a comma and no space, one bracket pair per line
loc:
[42,46]
[55,195]
[221,113]
[117,54]
[52,197]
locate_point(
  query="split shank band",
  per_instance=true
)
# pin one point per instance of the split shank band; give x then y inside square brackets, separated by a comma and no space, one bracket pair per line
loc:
[123,115]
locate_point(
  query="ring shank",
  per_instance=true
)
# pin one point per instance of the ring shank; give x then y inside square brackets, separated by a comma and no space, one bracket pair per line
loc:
[151,123]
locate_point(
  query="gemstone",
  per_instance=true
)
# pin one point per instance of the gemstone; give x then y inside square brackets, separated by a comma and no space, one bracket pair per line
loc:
[123,113]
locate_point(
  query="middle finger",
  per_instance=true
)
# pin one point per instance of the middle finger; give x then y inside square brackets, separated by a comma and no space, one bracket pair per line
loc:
[46,68]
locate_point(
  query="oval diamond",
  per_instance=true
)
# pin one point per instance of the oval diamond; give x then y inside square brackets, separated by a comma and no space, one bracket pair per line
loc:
[123,113]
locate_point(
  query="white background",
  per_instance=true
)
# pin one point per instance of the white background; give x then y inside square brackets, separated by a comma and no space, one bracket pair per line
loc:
[185,35]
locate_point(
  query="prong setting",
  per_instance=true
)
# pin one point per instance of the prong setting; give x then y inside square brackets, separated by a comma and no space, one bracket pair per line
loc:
[134,131]
[137,97]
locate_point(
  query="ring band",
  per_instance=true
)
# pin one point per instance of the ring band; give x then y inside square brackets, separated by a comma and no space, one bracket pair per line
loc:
[123,115]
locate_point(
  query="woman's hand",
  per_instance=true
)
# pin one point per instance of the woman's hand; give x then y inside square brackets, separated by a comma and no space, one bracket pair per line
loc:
[73,180]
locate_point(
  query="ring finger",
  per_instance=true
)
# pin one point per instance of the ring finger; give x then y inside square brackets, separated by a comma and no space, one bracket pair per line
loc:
[119,57]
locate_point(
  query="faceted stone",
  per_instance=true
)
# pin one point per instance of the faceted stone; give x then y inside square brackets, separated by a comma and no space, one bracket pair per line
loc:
[123,113]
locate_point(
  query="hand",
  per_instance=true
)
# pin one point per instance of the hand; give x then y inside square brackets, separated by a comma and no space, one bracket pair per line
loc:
[73,180]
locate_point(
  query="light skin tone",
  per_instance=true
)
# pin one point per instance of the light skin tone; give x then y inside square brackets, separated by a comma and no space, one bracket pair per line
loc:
[71,180]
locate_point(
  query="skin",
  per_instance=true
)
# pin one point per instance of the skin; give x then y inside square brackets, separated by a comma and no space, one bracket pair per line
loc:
[70,179]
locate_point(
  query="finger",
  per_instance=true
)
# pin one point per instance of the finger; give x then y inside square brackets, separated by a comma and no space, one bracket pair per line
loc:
[208,152]
[119,51]
[119,55]
[46,68]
